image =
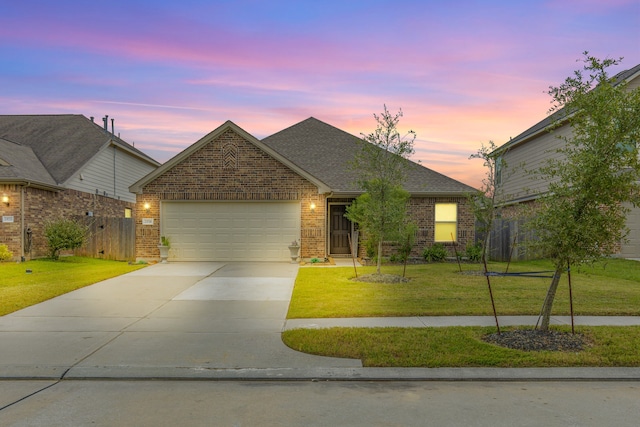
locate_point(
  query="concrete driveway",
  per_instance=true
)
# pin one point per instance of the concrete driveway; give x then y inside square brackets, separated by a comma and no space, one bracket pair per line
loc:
[177,320]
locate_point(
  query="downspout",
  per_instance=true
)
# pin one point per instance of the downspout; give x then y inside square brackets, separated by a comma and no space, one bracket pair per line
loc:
[114,171]
[22,231]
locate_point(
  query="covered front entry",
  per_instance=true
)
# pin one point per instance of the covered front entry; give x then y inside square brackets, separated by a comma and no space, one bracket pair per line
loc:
[339,229]
[230,231]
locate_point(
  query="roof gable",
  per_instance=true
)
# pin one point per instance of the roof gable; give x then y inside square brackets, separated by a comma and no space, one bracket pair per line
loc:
[62,143]
[19,163]
[326,151]
[195,147]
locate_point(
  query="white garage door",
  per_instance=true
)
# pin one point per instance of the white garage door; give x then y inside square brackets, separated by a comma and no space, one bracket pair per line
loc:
[230,231]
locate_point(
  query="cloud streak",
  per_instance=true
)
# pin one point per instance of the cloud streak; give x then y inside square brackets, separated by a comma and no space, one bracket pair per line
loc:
[463,72]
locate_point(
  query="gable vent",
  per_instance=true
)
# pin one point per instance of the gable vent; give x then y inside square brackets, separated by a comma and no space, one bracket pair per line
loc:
[229,156]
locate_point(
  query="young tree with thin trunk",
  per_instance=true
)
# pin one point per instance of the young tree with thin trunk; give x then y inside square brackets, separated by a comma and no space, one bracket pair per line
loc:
[381,166]
[582,216]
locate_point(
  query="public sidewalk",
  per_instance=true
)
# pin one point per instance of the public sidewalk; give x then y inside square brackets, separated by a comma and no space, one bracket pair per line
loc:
[443,321]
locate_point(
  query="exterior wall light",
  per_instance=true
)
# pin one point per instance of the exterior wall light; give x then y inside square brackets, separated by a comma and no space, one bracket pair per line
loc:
[5,200]
[313,207]
[147,207]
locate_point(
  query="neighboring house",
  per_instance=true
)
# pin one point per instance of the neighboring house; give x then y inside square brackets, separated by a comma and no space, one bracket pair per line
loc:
[230,196]
[54,166]
[530,150]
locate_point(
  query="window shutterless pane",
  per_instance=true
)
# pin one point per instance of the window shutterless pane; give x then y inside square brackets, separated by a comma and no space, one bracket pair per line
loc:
[444,230]
[446,212]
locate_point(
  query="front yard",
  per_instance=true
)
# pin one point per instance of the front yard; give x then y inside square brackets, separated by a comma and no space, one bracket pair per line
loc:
[28,283]
[439,289]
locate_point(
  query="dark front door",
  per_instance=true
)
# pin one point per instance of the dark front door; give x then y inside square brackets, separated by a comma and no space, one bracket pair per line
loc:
[340,228]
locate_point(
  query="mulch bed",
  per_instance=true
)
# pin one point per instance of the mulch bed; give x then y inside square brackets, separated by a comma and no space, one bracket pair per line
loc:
[536,340]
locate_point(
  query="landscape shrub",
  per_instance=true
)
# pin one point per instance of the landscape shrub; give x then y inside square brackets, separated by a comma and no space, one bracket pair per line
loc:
[436,253]
[64,234]
[474,252]
[5,253]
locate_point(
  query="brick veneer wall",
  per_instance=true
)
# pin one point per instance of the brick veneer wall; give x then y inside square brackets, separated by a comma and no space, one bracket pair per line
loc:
[422,212]
[41,206]
[230,168]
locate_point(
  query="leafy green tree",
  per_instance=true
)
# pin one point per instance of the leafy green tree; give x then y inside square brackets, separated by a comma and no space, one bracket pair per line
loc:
[381,166]
[582,216]
[483,201]
[64,234]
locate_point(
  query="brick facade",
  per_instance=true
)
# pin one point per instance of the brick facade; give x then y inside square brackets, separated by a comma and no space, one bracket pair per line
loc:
[230,168]
[41,206]
[422,212]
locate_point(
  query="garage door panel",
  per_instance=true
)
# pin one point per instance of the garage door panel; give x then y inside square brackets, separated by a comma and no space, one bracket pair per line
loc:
[229,231]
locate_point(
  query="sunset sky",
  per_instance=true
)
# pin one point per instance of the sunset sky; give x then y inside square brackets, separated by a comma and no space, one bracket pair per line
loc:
[463,72]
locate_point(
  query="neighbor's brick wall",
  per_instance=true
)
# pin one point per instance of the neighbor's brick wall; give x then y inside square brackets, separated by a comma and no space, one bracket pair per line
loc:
[42,206]
[10,231]
[232,169]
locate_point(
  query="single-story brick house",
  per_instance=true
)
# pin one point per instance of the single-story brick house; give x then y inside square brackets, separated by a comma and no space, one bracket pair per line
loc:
[230,196]
[61,166]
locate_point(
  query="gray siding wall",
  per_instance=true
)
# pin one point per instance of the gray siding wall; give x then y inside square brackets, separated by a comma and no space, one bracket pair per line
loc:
[517,182]
[99,174]
[631,247]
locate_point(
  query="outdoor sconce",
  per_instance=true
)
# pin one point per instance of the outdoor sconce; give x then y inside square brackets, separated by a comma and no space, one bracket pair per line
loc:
[313,207]
[5,200]
[147,207]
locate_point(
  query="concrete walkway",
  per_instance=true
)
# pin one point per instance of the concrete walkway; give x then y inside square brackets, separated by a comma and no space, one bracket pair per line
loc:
[214,321]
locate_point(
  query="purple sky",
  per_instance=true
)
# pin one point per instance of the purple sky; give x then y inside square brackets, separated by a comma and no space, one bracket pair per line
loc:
[463,72]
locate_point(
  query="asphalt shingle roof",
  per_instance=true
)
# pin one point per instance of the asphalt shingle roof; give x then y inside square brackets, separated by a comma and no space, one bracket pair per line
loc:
[546,122]
[325,152]
[22,163]
[63,143]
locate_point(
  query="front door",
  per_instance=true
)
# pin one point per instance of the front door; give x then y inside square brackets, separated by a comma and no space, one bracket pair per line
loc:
[340,228]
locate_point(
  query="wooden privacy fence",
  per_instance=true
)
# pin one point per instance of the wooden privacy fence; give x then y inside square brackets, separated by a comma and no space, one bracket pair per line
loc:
[508,240]
[109,238]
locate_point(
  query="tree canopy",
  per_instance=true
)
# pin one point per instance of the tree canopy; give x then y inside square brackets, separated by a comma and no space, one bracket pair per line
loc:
[381,210]
[594,176]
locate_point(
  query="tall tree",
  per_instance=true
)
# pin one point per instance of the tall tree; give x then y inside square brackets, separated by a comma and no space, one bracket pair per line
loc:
[483,201]
[381,166]
[594,176]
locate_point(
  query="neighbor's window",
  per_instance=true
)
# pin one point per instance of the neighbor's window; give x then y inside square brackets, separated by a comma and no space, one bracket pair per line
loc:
[127,212]
[446,222]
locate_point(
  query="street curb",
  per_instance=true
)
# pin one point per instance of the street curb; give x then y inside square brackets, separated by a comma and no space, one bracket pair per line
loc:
[121,373]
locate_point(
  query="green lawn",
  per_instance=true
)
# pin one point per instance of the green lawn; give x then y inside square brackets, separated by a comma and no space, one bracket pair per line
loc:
[48,279]
[439,289]
[461,347]
[611,288]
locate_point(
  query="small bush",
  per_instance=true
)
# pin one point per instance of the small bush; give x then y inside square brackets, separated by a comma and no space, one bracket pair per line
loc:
[64,234]
[436,253]
[474,252]
[5,253]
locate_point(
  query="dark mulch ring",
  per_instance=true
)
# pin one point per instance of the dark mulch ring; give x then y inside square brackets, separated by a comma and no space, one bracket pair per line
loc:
[380,278]
[536,340]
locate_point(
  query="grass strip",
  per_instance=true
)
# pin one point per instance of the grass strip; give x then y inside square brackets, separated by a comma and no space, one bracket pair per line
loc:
[462,347]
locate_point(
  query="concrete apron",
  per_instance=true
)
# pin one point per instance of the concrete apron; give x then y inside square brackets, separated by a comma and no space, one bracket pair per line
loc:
[176,320]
